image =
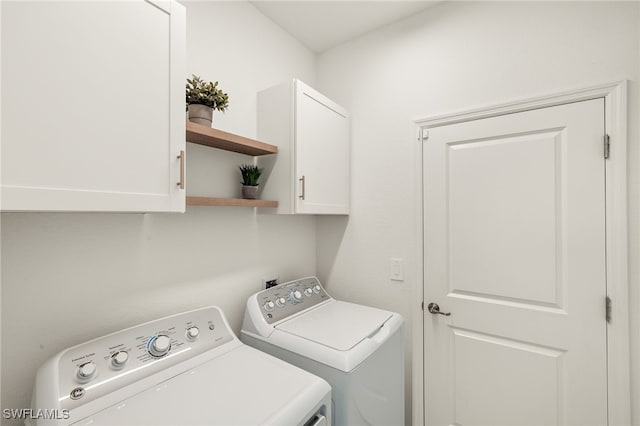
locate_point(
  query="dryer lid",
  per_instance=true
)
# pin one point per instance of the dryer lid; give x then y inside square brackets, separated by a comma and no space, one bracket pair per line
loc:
[219,391]
[339,325]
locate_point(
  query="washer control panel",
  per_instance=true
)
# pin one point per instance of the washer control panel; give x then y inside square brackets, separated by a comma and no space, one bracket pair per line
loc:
[98,367]
[281,301]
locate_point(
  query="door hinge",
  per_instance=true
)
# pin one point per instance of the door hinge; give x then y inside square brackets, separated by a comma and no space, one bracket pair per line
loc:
[607,304]
[423,135]
[607,146]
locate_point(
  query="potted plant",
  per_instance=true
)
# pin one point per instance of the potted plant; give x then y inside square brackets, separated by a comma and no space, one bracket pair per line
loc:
[250,176]
[202,98]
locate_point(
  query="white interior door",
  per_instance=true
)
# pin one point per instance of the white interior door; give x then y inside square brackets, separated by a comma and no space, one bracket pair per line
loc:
[514,249]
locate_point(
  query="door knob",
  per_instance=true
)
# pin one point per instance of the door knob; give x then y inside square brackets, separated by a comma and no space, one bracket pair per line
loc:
[433,308]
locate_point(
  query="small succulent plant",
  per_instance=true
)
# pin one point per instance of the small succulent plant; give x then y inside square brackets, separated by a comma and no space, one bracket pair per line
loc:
[206,93]
[250,174]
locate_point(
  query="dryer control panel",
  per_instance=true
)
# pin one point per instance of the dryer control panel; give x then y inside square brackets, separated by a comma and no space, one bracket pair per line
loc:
[281,301]
[96,368]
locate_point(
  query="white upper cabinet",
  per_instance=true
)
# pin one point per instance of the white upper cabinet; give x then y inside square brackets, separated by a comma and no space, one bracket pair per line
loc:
[93,112]
[311,173]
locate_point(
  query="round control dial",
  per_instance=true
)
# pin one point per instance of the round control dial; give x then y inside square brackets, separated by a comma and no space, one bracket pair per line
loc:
[295,296]
[86,371]
[308,292]
[160,345]
[193,333]
[119,359]
[281,301]
[316,288]
[269,306]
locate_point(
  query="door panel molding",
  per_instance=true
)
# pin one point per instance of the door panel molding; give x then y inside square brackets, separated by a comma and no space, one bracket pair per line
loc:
[548,364]
[508,301]
[618,358]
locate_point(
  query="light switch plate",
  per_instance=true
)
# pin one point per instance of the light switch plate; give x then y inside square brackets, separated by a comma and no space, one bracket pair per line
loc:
[396,269]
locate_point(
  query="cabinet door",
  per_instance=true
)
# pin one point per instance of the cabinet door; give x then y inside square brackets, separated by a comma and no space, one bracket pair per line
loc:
[322,154]
[92,105]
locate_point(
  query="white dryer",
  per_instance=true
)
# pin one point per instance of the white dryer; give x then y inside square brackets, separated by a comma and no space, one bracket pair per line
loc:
[186,369]
[358,349]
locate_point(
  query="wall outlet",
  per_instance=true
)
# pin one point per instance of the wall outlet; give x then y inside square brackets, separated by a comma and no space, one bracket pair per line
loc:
[273,280]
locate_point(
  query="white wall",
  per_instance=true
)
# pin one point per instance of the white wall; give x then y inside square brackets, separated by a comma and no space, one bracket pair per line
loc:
[67,278]
[456,56]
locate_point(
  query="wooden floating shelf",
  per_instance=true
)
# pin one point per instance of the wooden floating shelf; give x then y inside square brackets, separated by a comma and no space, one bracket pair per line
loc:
[229,202]
[203,135]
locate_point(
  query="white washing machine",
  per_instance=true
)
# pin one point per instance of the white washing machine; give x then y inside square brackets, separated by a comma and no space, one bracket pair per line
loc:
[358,349]
[186,369]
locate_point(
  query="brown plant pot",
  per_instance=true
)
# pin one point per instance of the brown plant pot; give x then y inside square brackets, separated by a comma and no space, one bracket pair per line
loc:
[201,114]
[250,192]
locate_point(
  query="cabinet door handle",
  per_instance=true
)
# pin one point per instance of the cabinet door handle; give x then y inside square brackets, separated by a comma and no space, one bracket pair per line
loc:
[301,196]
[181,158]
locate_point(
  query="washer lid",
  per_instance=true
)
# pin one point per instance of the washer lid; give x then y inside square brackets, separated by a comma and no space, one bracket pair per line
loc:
[339,325]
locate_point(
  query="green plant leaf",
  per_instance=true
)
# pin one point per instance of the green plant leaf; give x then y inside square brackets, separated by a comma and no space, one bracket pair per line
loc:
[205,93]
[250,174]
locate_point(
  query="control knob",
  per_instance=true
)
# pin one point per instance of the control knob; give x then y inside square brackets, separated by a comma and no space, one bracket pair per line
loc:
[308,292]
[193,333]
[316,288]
[281,301]
[269,306]
[86,371]
[295,296]
[160,345]
[119,359]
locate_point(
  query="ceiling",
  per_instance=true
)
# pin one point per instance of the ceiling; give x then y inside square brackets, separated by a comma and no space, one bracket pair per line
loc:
[323,24]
